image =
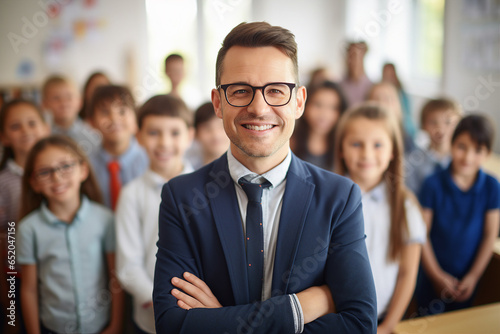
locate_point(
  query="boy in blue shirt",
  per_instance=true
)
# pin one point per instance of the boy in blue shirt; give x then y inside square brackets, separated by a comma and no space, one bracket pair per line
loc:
[461,207]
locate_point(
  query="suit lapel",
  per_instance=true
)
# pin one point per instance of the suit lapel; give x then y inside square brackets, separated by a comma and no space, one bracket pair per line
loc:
[296,201]
[226,214]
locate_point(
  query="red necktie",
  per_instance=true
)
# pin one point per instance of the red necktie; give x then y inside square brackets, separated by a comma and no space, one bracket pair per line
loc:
[115,183]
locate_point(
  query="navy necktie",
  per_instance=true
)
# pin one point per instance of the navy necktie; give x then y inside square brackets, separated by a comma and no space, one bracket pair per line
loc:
[254,237]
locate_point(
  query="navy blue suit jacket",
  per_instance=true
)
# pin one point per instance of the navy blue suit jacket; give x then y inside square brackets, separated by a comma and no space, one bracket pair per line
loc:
[320,241]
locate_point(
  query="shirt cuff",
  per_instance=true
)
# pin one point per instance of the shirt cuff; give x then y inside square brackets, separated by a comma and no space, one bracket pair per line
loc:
[298,316]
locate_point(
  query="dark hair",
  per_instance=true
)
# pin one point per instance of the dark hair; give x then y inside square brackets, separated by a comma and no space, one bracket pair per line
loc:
[173,56]
[8,153]
[397,84]
[109,94]
[479,127]
[393,176]
[30,200]
[302,129]
[258,34]
[165,105]
[203,114]
[85,104]
[442,104]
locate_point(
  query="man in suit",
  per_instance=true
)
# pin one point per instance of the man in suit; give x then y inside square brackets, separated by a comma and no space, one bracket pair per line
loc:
[291,260]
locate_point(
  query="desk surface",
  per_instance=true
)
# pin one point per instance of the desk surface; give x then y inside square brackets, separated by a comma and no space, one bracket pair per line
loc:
[496,249]
[481,319]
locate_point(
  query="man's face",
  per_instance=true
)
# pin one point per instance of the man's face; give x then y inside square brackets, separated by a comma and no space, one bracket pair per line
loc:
[258,130]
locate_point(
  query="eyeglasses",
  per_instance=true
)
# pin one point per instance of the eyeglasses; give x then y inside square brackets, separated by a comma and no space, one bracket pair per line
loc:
[63,170]
[276,94]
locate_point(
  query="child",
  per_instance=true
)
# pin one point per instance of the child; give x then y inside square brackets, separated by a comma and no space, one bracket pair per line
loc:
[95,80]
[386,95]
[174,69]
[165,132]
[209,134]
[461,207]
[21,126]
[439,118]
[369,149]
[61,99]
[120,158]
[65,243]
[313,138]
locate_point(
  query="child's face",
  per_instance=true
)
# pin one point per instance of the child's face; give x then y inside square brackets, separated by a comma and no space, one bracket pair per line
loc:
[23,128]
[165,140]
[467,156]
[175,70]
[58,174]
[387,96]
[116,121]
[323,111]
[366,151]
[440,125]
[63,101]
[212,137]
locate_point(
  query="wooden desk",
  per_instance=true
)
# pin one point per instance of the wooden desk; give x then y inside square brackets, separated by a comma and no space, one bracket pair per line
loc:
[476,320]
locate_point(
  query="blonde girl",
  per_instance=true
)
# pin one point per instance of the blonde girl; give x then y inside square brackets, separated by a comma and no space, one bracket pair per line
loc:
[65,245]
[369,150]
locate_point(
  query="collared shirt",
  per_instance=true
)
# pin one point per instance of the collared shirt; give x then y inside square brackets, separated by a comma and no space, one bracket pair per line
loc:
[272,201]
[133,163]
[83,134]
[136,236]
[377,216]
[10,193]
[71,266]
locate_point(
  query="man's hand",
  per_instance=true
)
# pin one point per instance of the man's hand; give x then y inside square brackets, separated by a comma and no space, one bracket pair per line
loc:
[195,293]
[316,302]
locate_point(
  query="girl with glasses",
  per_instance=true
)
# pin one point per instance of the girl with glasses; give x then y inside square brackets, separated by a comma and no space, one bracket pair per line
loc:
[65,245]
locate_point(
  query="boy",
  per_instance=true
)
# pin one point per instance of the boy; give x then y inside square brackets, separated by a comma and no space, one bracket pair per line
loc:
[61,99]
[165,131]
[461,207]
[438,118]
[120,158]
[209,134]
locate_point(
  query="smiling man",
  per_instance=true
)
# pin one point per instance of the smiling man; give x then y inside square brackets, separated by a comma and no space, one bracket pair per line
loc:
[259,241]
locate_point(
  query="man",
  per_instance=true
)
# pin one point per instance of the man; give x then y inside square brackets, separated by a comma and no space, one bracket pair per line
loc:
[230,263]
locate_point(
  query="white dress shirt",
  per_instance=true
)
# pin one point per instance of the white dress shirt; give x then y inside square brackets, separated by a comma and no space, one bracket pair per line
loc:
[272,201]
[136,236]
[377,216]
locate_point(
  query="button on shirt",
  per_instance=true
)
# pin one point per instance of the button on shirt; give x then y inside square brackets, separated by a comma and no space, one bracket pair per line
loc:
[71,266]
[377,216]
[133,163]
[137,234]
[272,201]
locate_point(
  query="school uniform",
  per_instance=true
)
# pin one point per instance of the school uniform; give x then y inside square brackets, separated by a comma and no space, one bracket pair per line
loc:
[457,226]
[71,266]
[137,234]
[133,163]
[377,215]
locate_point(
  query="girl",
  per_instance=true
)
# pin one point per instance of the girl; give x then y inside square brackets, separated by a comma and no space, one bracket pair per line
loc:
[65,242]
[313,138]
[21,126]
[369,149]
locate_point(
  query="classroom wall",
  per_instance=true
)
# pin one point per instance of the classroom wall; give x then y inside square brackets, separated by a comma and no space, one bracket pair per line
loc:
[472,61]
[74,39]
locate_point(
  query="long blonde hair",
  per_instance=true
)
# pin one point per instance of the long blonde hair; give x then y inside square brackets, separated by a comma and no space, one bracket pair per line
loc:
[393,176]
[31,200]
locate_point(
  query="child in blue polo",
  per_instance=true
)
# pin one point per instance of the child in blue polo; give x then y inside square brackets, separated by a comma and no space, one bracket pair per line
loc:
[461,207]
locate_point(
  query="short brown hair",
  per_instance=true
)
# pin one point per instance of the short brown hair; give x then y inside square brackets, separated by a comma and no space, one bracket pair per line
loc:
[108,94]
[165,105]
[480,128]
[440,104]
[203,114]
[52,81]
[258,34]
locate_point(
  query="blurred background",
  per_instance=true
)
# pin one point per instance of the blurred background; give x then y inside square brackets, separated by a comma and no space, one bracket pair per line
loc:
[439,47]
